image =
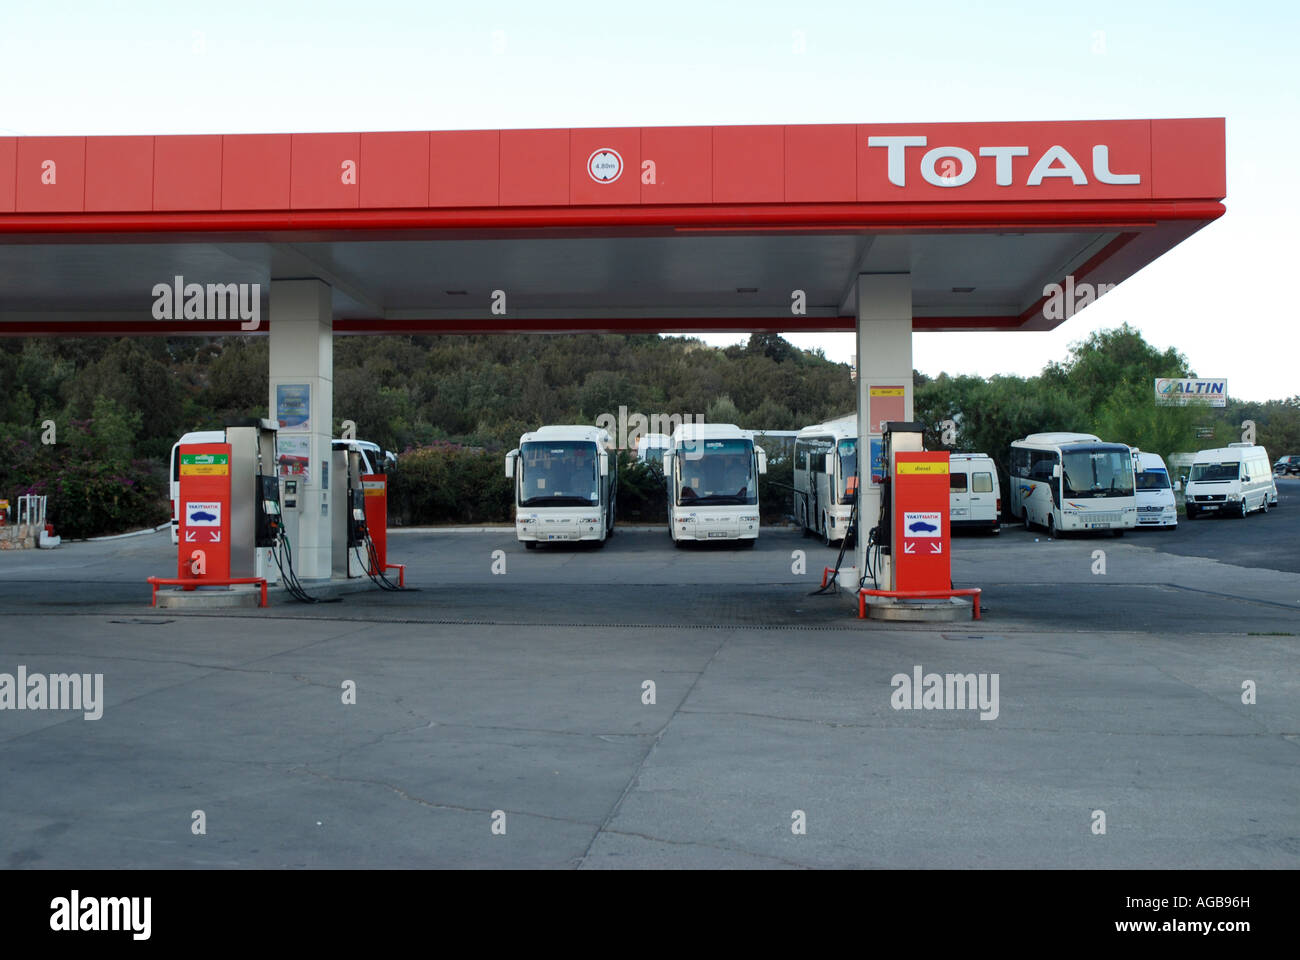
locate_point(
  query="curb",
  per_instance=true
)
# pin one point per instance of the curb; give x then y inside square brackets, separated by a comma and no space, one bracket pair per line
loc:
[124,536]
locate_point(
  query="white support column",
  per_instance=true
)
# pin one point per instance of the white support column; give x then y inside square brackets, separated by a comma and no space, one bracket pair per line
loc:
[302,352]
[884,360]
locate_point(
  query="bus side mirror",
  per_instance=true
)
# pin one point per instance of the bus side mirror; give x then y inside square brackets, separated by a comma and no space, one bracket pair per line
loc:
[604,463]
[830,463]
[510,463]
[1177,486]
[1056,470]
[668,464]
[762,459]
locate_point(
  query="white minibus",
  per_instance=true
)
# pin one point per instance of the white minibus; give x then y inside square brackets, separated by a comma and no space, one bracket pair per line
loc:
[1072,481]
[1155,491]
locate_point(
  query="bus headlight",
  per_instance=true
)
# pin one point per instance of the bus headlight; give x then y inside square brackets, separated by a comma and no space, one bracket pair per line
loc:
[751,519]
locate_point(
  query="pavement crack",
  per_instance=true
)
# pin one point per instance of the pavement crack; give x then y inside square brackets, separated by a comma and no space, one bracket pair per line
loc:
[433,804]
[650,749]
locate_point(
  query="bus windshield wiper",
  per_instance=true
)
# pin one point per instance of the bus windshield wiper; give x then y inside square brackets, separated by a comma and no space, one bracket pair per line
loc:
[557,502]
[717,498]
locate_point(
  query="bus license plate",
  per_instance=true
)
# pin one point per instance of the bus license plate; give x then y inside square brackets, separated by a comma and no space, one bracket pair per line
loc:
[714,533]
[1098,526]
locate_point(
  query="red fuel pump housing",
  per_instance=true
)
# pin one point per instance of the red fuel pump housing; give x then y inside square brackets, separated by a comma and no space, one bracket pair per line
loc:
[204,511]
[921,556]
[375,486]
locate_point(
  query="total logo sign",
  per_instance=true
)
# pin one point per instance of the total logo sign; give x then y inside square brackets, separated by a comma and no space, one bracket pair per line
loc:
[605,165]
[952,166]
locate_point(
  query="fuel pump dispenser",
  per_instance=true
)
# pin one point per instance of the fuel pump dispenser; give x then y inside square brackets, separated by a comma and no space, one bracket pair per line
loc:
[255,516]
[349,557]
[899,437]
[909,560]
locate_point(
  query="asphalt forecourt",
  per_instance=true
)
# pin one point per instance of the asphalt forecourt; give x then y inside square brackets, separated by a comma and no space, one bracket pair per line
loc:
[1029,581]
[637,705]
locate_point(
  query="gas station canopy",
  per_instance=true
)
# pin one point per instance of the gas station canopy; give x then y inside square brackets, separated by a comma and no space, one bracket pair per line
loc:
[667,229]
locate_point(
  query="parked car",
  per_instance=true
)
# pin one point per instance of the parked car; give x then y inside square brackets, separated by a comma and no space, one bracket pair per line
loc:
[1287,466]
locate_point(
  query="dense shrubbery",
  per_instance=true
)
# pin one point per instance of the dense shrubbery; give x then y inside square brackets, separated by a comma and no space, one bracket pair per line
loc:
[642,496]
[93,485]
[447,483]
[120,404]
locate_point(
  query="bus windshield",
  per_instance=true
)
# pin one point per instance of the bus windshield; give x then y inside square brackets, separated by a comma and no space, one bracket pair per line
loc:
[1095,473]
[558,473]
[1155,479]
[848,469]
[716,471]
[1226,470]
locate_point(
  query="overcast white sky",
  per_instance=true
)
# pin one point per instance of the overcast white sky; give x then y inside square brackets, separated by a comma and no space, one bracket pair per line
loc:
[1224,297]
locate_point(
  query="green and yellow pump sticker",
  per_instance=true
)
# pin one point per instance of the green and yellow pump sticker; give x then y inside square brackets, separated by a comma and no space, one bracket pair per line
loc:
[205,465]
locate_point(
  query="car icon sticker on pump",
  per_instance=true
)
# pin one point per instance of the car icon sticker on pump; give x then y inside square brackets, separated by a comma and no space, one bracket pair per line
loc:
[921,524]
[203,514]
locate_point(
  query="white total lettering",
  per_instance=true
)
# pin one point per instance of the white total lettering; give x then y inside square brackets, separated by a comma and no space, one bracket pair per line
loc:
[965,157]
[1002,168]
[896,147]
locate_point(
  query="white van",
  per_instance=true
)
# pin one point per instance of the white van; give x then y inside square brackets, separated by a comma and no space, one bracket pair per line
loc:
[975,496]
[1234,480]
[1155,492]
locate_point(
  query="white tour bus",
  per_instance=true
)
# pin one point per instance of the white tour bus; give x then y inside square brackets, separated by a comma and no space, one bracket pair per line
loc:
[1155,492]
[974,494]
[1234,480]
[826,477]
[566,481]
[1072,481]
[711,472]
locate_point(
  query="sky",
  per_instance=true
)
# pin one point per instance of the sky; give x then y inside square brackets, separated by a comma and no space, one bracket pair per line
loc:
[1223,298]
